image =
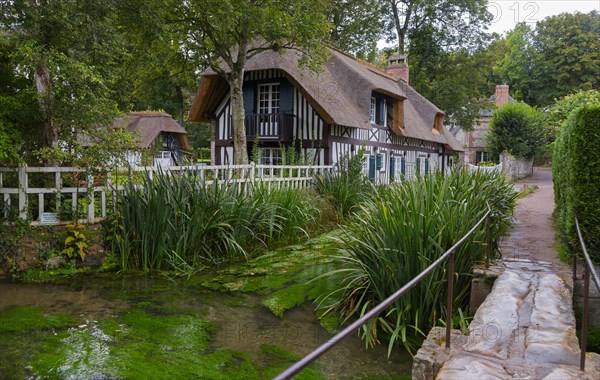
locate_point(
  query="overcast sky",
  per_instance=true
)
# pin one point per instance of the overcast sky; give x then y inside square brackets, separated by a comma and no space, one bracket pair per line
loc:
[508,12]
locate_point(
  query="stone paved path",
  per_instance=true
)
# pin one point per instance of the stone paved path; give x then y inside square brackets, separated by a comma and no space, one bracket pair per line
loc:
[525,329]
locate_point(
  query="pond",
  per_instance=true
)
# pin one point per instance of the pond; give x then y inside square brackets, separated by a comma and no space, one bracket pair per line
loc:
[98,327]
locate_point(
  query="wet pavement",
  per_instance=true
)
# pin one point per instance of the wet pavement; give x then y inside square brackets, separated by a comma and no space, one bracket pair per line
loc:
[525,329]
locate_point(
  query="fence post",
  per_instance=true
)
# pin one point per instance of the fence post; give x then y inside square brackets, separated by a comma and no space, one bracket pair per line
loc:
[58,186]
[487,240]
[23,185]
[586,310]
[90,197]
[449,299]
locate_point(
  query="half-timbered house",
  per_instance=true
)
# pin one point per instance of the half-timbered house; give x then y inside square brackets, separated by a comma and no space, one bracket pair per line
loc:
[347,106]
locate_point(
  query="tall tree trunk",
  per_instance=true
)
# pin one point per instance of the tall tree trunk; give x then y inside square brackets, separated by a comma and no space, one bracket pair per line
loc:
[240,144]
[402,27]
[238,114]
[43,85]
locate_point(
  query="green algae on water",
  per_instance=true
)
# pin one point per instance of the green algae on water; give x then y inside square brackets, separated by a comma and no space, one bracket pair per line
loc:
[25,318]
[139,345]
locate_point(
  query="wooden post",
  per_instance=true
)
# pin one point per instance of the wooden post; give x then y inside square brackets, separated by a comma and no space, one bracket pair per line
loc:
[58,186]
[40,205]
[23,185]
[103,203]
[252,182]
[449,299]
[6,206]
[90,198]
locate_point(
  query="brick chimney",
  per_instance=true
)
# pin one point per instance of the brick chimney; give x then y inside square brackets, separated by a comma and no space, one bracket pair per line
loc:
[501,95]
[398,67]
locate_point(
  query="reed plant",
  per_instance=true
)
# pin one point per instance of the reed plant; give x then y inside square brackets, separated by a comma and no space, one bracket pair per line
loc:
[399,233]
[177,222]
[346,187]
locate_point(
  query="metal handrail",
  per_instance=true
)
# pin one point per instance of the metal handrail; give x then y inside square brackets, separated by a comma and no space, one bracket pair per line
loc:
[589,269]
[449,254]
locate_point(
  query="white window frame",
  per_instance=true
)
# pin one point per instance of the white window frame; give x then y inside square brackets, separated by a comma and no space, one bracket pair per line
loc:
[271,156]
[480,155]
[272,99]
[422,158]
[372,110]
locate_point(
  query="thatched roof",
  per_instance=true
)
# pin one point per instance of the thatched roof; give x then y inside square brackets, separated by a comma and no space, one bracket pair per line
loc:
[149,125]
[340,93]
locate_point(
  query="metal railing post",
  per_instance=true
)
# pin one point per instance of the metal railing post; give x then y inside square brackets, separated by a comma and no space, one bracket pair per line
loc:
[584,321]
[589,271]
[488,228]
[449,299]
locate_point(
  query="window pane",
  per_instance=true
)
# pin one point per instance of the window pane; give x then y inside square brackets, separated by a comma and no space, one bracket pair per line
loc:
[372,110]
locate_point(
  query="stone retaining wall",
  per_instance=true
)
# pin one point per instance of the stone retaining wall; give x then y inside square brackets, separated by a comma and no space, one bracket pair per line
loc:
[516,168]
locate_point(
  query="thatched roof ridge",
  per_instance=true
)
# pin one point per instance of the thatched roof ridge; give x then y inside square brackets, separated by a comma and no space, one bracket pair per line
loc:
[148,125]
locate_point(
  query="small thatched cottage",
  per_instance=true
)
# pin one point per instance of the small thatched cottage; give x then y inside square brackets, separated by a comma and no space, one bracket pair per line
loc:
[349,104]
[157,131]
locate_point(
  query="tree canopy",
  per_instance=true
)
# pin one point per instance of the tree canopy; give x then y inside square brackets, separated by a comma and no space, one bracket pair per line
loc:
[558,57]
[67,67]
[517,128]
[357,26]
[224,34]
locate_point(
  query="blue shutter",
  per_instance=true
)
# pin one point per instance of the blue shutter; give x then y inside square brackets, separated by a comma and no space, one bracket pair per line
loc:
[403,166]
[286,96]
[379,162]
[372,168]
[392,168]
[248,90]
[426,166]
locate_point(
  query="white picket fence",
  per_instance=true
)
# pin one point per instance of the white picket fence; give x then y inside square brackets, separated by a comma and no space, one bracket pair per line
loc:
[485,169]
[100,190]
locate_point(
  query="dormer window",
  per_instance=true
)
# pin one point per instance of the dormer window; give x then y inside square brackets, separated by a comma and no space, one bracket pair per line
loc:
[372,110]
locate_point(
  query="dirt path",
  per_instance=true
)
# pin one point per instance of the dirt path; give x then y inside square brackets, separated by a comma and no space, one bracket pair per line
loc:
[531,236]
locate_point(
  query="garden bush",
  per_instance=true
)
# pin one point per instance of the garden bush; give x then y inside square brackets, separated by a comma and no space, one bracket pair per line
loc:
[576,175]
[177,222]
[396,235]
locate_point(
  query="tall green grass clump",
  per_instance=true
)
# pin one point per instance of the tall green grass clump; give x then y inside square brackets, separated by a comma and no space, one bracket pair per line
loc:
[346,187]
[177,222]
[396,235]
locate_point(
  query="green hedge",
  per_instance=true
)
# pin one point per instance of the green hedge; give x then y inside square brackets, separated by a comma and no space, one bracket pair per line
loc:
[576,172]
